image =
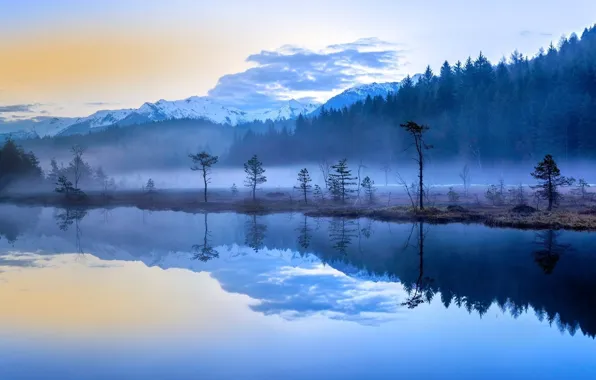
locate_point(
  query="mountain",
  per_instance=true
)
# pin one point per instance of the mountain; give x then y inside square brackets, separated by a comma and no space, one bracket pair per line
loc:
[291,110]
[195,107]
[358,93]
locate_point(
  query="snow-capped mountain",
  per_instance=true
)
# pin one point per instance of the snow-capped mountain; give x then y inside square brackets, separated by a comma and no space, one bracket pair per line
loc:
[358,93]
[195,107]
[291,110]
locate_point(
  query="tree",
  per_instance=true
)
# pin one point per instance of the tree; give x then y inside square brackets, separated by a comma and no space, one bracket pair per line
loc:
[324,167]
[550,179]
[465,177]
[203,161]
[304,183]
[150,186]
[341,180]
[55,171]
[369,189]
[234,190]
[77,166]
[318,193]
[386,168]
[254,175]
[417,132]
[582,188]
[64,186]
[16,165]
[452,195]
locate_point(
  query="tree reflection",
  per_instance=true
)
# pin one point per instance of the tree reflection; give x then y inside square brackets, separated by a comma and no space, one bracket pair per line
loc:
[204,252]
[14,221]
[548,256]
[304,235]
[341,233]
[422,286]
[254,233]
[67,217]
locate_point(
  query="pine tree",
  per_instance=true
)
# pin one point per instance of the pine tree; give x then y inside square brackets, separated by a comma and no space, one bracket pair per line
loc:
[254,175]
[417,132]
[318,193]
[369,188]
[150,186]
[203,161]
[234,190]
[304,185]
[341,180]
[550,179]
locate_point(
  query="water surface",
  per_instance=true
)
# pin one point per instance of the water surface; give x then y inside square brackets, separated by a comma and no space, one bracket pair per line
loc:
[126,293]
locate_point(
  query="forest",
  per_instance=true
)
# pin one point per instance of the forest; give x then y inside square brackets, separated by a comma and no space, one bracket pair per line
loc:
[488,115]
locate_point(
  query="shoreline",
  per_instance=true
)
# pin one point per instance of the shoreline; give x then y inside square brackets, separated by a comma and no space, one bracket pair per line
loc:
[189,201]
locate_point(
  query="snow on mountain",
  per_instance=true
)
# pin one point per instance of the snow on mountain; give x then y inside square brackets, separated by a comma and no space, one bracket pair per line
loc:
[291,110]
[358,93]
[195,107]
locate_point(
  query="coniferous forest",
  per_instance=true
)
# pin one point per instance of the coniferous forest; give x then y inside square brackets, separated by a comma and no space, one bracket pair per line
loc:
[488,114]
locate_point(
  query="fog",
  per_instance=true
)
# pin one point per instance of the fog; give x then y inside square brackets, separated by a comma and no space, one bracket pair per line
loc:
[435,175]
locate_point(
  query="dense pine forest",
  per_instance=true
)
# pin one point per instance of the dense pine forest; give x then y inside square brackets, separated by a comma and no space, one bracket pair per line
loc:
[486,114]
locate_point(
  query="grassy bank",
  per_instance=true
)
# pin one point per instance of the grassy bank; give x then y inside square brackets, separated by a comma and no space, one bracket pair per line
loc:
[571,217]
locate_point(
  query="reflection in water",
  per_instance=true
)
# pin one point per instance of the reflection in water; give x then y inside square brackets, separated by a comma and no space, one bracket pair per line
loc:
[66,218]
[255,233]
[341,233]
[550,253]
[268,289]
[471,267]
[204,252]
[420,287]
[304,235]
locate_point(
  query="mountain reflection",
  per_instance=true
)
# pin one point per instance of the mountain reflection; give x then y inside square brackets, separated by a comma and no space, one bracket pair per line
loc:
[356,270]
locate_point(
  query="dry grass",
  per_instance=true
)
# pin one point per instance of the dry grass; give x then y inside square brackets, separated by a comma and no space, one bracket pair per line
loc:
[572,217]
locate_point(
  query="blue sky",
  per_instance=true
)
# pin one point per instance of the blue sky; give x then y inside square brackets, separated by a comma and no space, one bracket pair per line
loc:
[71,58]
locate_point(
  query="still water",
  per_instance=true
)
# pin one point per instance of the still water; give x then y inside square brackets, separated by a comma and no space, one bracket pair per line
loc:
[131,294]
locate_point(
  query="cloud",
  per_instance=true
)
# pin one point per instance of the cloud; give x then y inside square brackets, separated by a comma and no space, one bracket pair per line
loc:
[292,71]
[532,33]
[98,104]
[18,108]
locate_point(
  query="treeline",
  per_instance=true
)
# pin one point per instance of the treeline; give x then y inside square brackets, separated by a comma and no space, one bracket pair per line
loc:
[20,171]
[16,166]
[517,110]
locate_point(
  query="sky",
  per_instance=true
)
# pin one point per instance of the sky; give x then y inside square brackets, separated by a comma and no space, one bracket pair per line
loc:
[72,58]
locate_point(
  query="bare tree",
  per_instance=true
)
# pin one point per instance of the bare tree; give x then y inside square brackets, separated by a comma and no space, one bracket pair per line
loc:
[417,131]
[465,177]
[77,165]
[408,190]
[325,168]
[386,168]
[203,161]
[359,183]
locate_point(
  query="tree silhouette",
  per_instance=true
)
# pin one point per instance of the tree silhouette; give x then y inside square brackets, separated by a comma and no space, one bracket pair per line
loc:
[254,175]
[203,162]
[417,132]
[254,233]
[341,233]
[341,180]
[204,252]
[548,256]
[550,179]
[304,183]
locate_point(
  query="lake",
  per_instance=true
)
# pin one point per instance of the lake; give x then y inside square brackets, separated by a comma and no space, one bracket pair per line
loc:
[126,293]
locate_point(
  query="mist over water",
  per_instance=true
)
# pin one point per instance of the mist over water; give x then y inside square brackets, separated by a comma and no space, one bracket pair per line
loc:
[127,293]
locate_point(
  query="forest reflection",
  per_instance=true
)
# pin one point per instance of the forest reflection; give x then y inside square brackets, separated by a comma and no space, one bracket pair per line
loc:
[550,273]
